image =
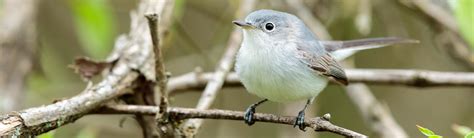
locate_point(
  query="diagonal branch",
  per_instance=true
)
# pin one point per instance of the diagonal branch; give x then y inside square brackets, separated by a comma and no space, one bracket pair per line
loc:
[312,22]
[454,43]
[224,66]
[378,118]
[317,124]
[437,13]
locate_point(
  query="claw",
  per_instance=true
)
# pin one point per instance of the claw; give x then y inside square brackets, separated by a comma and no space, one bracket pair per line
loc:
[248,117]
[300,121]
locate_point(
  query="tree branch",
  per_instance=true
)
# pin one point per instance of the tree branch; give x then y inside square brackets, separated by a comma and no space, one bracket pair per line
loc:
[224,66]
[415,78]
[132,52]
[163,127]
[161,78]
[159,63]
[317,123]
[41,119]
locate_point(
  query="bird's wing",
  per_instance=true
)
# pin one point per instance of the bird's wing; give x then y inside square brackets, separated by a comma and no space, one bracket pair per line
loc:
[362,44]
[323,64]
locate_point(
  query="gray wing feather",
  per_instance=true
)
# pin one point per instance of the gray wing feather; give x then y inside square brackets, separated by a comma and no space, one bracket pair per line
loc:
[321,62]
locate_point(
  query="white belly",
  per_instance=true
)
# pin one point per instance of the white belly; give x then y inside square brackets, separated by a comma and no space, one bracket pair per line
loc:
[277,75]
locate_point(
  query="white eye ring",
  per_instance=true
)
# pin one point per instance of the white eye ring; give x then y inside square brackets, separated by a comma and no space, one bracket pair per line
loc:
[269,26]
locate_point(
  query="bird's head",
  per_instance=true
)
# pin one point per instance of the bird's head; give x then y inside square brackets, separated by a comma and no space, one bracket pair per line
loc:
[273,26]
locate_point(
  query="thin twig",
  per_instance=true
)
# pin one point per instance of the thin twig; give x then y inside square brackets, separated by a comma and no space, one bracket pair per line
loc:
[159,63]
[318,123]
[224,66]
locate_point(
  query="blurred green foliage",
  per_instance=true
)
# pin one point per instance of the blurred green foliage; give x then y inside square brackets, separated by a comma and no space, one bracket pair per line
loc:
[427,132]
[54,76]
[469,135]
[87,132]
[464,12]
[178,12]
[50,134]
[179,8]
[462,130]
[95,26]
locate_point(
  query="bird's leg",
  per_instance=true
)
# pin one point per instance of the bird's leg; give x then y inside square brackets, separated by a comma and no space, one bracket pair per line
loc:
[300,118]
[248,117]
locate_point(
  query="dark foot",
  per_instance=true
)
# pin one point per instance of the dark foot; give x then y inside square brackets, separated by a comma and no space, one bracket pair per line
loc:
[300,121]
[248,117]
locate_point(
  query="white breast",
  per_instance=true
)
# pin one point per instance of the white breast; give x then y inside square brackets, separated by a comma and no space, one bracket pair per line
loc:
[273,72]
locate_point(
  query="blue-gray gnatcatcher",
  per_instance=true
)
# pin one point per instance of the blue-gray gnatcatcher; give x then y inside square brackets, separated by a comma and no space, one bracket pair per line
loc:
[281,60]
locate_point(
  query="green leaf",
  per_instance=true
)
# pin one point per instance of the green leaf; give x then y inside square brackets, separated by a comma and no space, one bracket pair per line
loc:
[50,134]
[179,7]
[425,131]
[464,12]
[435,136]
[95,26]
[428,133]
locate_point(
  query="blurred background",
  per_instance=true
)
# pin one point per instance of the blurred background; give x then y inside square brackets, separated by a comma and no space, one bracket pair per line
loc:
[34,63]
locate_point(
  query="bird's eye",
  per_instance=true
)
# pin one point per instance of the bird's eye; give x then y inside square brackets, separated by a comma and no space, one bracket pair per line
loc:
[269,26]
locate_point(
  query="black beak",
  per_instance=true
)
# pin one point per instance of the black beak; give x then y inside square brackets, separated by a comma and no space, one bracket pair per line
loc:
[243,24]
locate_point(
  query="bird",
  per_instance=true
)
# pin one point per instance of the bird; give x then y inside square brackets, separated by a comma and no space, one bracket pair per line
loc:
[281,60]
